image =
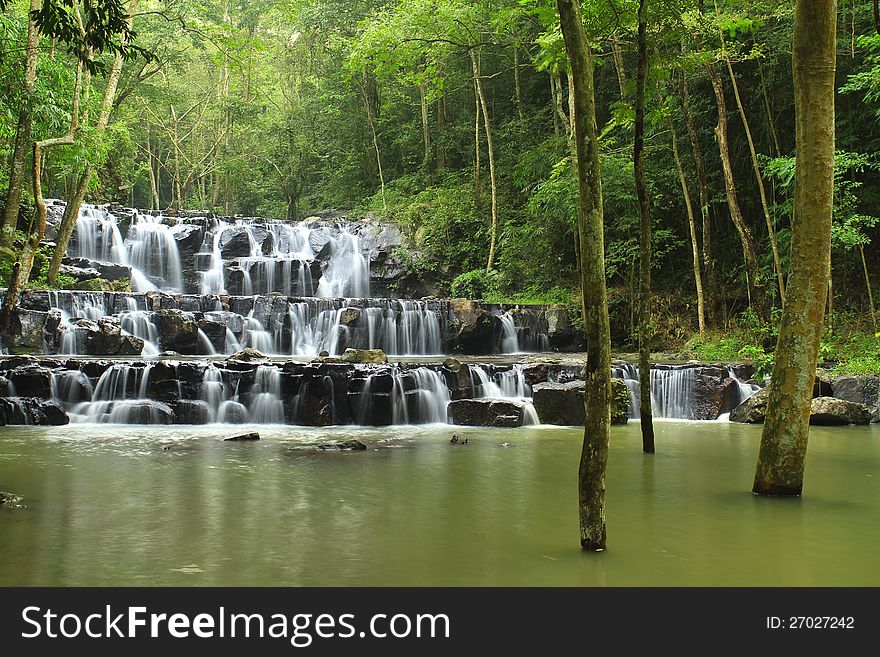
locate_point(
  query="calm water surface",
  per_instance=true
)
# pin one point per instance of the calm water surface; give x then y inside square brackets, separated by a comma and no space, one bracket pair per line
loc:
[177,506]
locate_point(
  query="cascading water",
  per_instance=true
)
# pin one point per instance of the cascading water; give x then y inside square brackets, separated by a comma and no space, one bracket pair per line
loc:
[507,384]
[419,396]
[509,340]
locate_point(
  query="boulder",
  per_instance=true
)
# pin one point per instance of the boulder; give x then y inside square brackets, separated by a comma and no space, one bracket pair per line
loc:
[189,239]
[177,331]
[828,411]
[858,389]
[563,403]
[80,273]
[346,445]
[487,412]
[473,328]
[29,330]
[713,393]
[364,356]
[31,411]
[31,381]
[141,411]
[248,355]
[192,411]
[752,410]
[10,500]
[235,242]
[350,316]
[243,437]
[452,364]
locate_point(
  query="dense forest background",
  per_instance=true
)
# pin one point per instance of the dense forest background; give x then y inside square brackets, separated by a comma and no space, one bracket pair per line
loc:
[452,118]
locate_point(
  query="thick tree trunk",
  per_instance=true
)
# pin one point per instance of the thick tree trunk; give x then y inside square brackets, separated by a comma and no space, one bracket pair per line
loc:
[645,329]
[597,428]
[71,211]
[703,189]
[490,148]
[771,231]
[22,136]
[692,225]
[780,469]
[756,293]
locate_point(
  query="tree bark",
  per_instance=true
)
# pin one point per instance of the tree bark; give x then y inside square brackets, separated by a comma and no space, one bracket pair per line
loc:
[780,469]
[645,330]
[22,135]
[441,132]
[597,427]
[771,231]
[426,126]
[490,148]
[703,189]
[478,187]
[756,294]
[692,225]
[618,65]
[516,81]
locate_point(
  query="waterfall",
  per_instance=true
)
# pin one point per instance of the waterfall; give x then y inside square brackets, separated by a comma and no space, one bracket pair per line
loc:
[266,405]
[213,391]
[506,384]
[347,271]
[419,396]
[509,341]
[153,252]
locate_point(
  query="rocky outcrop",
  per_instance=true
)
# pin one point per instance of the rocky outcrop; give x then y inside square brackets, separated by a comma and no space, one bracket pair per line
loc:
[487,412]
[753,410]
[474,329]
[177,331]
[109,271]
[859,390]
[828,411]
[563,403]
[248,355]
[364,356]
[31,411]
[243,437]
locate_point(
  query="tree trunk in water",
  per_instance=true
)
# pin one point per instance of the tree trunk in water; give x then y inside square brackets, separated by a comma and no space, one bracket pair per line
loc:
[645,412]
[692,225]
[756,295]
[22,136]
[597,427]
[771,231]
[780,469]
[490,148]
[71,211]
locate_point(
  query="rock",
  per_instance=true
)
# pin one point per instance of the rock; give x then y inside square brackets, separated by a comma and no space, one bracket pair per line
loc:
[192,411]
[828,411]
[486,412]
[80,273]
[248,355]
[822,386]
[345,445]
[563,403]
[189,239]
[858,389]
[713,393]
[11,500]
[752,410]
[456,440]
[350,316]
[177,331]
[473,328]
[235,242]
[31,381]
[364,356]
[29,330]
[31,411]
[452,364]
[141,411]
[253,435]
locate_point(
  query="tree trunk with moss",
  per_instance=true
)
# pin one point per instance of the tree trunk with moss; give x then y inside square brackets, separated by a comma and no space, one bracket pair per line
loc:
[597,397]
[780,469]
[645,413]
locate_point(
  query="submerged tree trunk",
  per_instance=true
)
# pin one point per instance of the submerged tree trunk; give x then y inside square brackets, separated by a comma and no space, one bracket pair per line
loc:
[703,189]
[756,295]
[597,428]
[765,206]
[490,148]
[22,135]
[645,329]
[780,469]
[692,225]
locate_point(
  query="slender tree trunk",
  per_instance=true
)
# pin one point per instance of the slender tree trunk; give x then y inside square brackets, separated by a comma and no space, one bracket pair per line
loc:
[756,295]
[555,102]
[441,132]
[777,151]
[22,135]
[516,81]
[426,126]
[780,469]
[703,189]
[490,148]
[71,211]
[692,225]
[154,188]
[771,231]
[868,285]
[371,121]
[618,65]
[478,188]
[597,397]
[645,330]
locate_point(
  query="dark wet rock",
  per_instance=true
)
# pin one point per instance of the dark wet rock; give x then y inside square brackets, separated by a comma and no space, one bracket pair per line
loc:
[80,273]
[29,330]
[109,271]
[823,384]
[141,411]
[177,331]
[560,331]
[858,389]
[713,393]
[248,355]
[829,411]
[473,328]
[487,412]
[105,337]
[242,437]
[536,373]
[215,332]
[452,364]
[31,411]
[31,381]
[345,445]
[189,239]
[364,356]
[752,410]
[563,403]
[11,500]
[350,316]
[235,242]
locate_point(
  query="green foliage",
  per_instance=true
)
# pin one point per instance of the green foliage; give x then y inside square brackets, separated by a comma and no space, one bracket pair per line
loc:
[477,284]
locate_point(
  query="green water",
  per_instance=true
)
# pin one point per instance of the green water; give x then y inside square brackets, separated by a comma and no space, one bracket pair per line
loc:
[177,506]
